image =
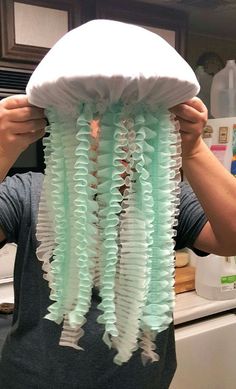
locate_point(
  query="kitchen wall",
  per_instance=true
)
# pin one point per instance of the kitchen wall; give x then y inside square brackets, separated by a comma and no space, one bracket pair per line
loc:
[197,44]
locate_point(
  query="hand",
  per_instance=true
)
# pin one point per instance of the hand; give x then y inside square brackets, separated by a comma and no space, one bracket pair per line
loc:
[20,125]
[192,116]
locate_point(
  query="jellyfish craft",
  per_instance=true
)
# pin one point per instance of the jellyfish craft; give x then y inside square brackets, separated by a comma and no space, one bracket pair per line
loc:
[110,196]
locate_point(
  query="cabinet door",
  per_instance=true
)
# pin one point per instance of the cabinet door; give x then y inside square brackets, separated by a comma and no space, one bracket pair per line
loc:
[30,27]
[171,24]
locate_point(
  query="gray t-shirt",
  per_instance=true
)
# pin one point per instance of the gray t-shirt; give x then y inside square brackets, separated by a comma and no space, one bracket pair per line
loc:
[31,356]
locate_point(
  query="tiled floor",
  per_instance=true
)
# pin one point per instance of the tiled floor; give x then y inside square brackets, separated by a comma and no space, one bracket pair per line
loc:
[5,323]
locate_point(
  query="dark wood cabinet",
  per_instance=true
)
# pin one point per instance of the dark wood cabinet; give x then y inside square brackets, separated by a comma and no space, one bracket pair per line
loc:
[25,23]
[35,18]
[146,15]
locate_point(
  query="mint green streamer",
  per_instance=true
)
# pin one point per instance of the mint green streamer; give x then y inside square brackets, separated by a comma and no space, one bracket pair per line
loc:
[129,235]
[157,316]
[109,198]
[58,199]
[71,277]
[85,209]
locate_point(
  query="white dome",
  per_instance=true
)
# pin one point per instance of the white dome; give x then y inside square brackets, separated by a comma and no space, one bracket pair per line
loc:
[110,60]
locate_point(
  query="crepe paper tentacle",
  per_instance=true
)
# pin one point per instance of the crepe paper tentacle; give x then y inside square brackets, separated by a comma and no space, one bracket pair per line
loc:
[112,206]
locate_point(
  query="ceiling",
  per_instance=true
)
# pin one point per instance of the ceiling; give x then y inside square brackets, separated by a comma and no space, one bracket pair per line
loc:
[211,17]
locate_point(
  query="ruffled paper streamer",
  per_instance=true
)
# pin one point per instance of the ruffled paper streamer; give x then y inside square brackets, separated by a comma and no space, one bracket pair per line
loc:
[106,217]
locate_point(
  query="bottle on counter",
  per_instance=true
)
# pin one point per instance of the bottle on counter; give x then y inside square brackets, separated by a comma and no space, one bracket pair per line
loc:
[223,92]
[215,277]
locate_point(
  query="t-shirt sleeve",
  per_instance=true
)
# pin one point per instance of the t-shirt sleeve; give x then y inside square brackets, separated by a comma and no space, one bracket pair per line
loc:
[191,219]
[14,198]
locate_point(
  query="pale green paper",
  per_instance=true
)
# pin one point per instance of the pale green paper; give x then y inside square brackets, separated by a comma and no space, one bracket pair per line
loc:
[100,235]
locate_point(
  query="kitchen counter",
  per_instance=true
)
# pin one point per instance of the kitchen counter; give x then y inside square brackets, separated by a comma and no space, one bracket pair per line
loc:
[189,306]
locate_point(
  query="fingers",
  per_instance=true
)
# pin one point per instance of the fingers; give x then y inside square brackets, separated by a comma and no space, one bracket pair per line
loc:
[193,111]
[16,101]
[33,136]
[18,109]
[25,114]
[190,126]
[29,138]
[196,103]
[17,116]
[192,116]
[21,124]
[30,126]
[25,126]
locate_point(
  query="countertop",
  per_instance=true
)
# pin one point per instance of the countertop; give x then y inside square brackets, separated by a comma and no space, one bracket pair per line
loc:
[189,306]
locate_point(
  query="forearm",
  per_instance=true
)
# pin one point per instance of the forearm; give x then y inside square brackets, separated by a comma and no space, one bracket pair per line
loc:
[216,191]
[6,163]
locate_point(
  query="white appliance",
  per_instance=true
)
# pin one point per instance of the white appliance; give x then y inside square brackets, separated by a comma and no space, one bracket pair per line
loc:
[7,260]
[205,343]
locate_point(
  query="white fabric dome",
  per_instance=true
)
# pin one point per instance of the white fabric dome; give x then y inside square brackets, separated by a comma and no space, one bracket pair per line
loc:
[111,60]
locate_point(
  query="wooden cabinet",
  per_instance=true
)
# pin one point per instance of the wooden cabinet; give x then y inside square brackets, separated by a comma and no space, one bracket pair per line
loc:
[30,27]
[162,20]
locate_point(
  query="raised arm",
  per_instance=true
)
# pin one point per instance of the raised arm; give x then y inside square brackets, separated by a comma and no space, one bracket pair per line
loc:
[214,186]
[20,125]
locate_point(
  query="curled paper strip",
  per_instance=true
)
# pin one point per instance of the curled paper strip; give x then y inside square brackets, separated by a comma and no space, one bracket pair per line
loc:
[106,218]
